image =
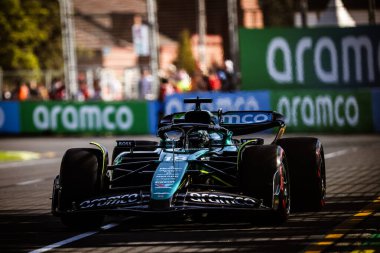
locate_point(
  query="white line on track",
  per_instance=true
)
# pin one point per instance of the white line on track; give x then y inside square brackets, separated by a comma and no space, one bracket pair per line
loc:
[339,153]
[29,163]
[30,181]
[112,225]
[74,238]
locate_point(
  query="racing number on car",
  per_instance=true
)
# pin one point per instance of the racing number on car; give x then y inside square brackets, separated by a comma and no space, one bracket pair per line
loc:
[169,158]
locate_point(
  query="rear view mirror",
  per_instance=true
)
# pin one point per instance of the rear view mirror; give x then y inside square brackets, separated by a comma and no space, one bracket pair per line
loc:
[174,135]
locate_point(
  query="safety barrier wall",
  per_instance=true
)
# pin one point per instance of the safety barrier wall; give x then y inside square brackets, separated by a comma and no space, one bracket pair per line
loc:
[327,111]
[315,110]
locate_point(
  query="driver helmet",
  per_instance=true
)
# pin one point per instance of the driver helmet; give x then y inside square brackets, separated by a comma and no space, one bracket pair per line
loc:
[199,139]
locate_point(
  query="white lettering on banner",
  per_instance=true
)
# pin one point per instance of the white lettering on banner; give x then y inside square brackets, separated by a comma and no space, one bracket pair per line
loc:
[107,123]
[324,108]
[321,111]
[124,118]
[326,76]
[41,118]
[54,112]
[307,106]
[83,118]
[70,118]
[351,103]
[357,50]
[357,44]
[2,117]
[281,45]
[302,46]
[233,103]
[338,103]
[90,117]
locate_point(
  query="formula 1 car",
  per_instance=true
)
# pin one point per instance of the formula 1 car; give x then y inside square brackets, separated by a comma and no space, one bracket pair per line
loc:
[197,166]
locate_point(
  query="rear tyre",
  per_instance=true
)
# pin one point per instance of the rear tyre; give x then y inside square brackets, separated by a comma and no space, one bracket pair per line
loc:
[264,175]
[80,179]
[307,172]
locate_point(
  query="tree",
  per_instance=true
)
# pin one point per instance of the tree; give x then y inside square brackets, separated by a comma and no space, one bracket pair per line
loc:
[185,58]
[49,50]
[30,34]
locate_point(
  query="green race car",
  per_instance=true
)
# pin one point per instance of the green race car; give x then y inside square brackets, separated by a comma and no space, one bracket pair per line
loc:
[197,166]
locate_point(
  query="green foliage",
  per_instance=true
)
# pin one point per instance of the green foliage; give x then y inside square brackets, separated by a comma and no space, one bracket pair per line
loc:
[29,32]
[278,13]
[185,58]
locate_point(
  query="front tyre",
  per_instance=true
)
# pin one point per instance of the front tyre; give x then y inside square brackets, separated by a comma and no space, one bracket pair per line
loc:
[264,175]
[79,179]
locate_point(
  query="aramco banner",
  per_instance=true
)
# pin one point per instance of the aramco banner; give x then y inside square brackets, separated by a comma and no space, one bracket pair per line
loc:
[89,117]
[310,58]
[346,111]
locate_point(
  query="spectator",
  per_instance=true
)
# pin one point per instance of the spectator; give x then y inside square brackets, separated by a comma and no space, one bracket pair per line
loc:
[58,90]
[44,94]
[23,91]
[97,91]
[83,92]
[145,84]
[199,81]
[184,81]
[214,81]
[222,75]
[33,91]
[166,88]
[231,75]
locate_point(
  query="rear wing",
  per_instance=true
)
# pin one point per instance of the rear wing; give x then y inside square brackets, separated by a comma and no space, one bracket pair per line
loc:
[238,122]
[247,122]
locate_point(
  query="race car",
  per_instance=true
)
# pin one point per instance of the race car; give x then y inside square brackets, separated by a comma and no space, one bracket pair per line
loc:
[198,165]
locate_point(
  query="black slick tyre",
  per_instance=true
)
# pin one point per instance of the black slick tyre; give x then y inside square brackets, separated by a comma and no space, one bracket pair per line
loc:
[263,175]
[307,172]
[80,179]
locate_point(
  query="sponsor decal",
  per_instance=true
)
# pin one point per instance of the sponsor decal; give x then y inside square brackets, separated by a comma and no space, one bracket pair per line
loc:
[221,198]
[126,143]
[110,201]
[170,157]
[246,118]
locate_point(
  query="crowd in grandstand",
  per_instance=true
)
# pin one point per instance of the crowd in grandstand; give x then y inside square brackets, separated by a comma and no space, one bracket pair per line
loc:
[172,80]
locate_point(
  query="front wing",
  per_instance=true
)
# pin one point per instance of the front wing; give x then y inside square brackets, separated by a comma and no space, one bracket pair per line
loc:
[139,203]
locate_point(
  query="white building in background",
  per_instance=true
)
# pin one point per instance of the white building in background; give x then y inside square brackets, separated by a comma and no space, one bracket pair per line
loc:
[336,14]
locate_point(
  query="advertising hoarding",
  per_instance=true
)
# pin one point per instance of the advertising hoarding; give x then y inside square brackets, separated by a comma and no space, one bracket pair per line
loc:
[310,58]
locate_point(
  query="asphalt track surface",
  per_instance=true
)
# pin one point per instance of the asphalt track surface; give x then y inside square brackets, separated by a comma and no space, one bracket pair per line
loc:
[350,222]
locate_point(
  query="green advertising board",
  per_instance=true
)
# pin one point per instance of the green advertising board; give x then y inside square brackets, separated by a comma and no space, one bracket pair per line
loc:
[82,118]
[310,58]
[327,111]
